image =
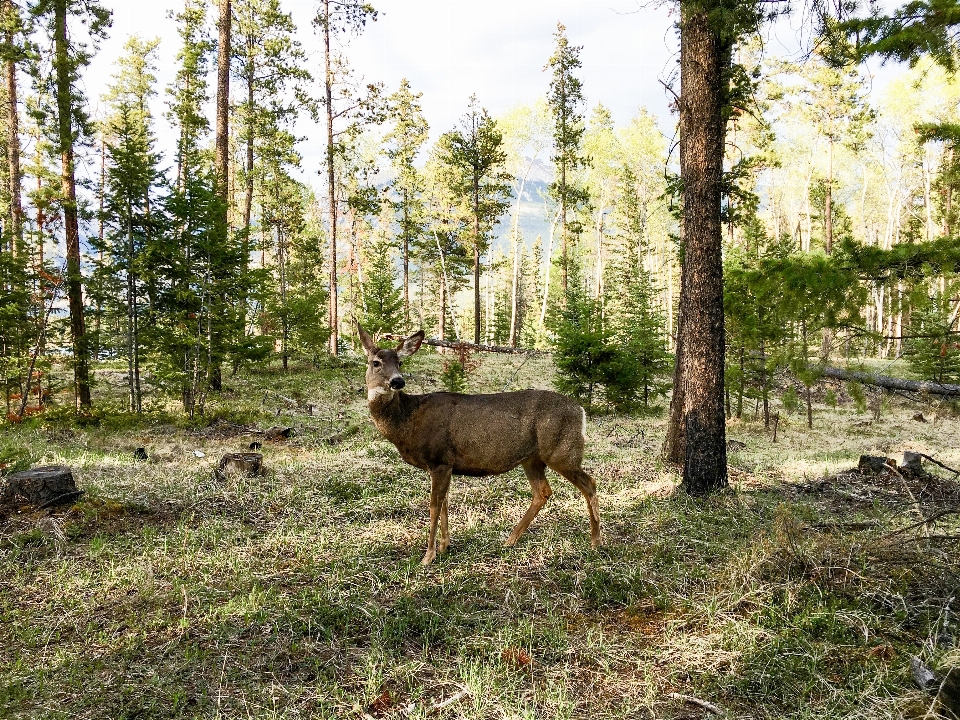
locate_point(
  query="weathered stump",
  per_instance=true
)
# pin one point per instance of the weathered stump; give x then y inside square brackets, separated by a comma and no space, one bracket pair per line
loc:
[873,464]
[42,487]
[239,464]
[913,462]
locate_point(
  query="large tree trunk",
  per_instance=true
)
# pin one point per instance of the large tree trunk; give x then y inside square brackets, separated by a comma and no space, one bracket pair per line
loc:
[13,137]
[62,69]
[223,107]
[703,59]
[331,187]
[222,169]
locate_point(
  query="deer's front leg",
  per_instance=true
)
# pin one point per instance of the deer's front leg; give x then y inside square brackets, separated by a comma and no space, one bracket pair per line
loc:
[439,484]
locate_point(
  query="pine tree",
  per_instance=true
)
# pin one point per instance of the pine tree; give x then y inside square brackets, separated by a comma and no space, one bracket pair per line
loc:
[337,19]
[409,133]
[382,298]
[565,98]
[270,69]
[472,160]
[70,57]
[130,222]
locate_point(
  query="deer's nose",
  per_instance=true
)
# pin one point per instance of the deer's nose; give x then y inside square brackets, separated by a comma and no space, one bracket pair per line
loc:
[397,383]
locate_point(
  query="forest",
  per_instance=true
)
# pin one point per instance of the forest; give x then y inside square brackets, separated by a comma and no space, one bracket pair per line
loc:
[756,303]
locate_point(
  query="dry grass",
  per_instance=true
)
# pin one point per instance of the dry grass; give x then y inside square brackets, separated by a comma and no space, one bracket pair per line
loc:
[165,593]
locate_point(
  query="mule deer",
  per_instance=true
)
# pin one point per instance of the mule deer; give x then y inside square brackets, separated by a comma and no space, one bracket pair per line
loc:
[477,435]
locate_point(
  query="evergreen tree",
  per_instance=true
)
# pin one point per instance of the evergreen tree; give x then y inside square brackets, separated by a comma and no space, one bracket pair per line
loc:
[933,351]
[337,20]
[410,132]
[270,68]
[70,56]
[472,160]
[382,298]
[565,98]
[131,223]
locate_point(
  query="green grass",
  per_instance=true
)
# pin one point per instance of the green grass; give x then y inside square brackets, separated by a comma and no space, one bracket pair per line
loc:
[165,593]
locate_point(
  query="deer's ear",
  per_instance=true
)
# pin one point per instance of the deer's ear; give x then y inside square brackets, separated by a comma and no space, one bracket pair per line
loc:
[365,340]
[408,347]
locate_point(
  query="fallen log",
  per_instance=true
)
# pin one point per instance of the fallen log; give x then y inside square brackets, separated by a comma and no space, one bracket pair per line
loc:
[893,383]
[437,342]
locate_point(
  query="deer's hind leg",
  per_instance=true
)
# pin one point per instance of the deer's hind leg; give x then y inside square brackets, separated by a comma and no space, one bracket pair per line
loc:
[586,485]
[540,488]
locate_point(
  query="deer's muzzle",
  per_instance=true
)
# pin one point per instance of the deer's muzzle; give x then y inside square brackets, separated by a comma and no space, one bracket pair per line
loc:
[397,383]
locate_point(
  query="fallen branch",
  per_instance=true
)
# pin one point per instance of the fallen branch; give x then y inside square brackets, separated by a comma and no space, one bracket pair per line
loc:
[893,383]
[937,462]
[936,516]
[450,700]
[708,706]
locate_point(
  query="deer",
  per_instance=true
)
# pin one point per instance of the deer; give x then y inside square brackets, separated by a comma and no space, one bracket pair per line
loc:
[449,434]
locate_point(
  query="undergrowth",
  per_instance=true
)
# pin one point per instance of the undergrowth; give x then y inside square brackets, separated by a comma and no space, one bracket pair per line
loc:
[165,593]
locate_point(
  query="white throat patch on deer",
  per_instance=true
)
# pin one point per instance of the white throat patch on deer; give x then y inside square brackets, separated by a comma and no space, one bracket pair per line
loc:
[449,434]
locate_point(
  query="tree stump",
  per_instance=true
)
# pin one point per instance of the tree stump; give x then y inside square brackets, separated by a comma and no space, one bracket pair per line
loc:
[913,462]
[873,464]
[43,487]
[239,464]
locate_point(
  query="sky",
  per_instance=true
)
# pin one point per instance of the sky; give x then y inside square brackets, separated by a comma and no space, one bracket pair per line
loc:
[450,49]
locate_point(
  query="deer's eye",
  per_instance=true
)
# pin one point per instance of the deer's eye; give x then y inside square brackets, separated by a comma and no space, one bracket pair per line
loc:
[376,363]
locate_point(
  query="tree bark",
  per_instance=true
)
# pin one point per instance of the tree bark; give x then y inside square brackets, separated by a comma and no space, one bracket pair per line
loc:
[222,169]
[703,59]
[71,227]
[223,106]
[13,139]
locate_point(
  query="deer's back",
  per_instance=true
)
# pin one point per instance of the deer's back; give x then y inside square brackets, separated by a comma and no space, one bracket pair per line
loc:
[487,434]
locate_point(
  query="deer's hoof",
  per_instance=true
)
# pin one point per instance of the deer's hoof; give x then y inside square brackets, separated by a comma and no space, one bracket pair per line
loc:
[510,541]
[429,557]
[444,546]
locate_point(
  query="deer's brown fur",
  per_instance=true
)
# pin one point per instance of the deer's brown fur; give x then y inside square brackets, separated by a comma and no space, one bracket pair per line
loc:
[452,434]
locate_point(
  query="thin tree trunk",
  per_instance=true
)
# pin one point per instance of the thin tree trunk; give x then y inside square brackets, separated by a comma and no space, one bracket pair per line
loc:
[71,226]
[546,280]
[704,58]
[248,197]
[331,182]
[948,201]
[515,278]
[828,205]
[406,262]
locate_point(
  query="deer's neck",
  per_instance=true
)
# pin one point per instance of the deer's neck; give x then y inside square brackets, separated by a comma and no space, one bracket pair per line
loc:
[391,412]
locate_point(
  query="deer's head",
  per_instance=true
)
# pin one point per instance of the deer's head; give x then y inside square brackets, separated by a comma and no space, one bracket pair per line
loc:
[383,365]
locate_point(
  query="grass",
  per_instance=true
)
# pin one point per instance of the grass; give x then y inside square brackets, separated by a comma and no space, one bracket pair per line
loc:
[165,593]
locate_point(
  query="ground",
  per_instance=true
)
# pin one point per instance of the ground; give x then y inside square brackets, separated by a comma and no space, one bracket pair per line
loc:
[165,592]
